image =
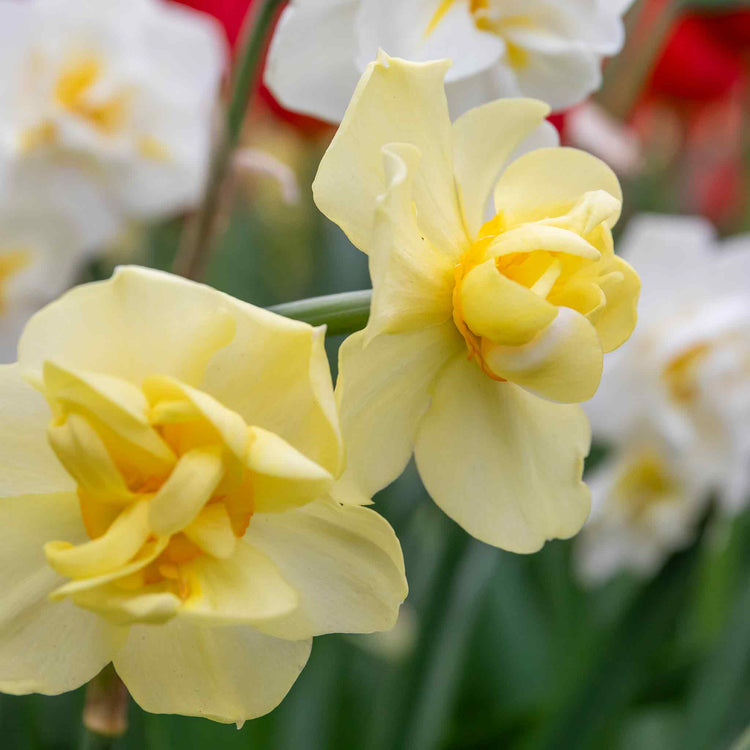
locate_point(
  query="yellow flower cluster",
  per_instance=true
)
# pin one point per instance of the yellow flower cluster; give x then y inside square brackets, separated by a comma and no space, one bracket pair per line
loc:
[174,497]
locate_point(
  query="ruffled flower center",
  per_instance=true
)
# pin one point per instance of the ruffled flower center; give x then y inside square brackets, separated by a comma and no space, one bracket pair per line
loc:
[162,479]
[511,282]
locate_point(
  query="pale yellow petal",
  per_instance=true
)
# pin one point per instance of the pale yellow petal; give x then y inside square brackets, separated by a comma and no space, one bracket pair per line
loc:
[229,426]
[212,531]
[46,647]
[282,477]
[83,453]
[412,281]
[275,375]
[245,588]
[383,391]
[344,562]
[616,319]
[29,465]
[229,673]
[395,102]
[549,181]
[500,309]
[109,552]
[188,488]
[137,323]
[483,140]
[563,363]
[501,462]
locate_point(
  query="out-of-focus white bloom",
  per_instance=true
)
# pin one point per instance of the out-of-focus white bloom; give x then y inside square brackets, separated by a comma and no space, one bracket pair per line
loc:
[546,49]
[645,504]
[45,234]
[682,384]
[119,94]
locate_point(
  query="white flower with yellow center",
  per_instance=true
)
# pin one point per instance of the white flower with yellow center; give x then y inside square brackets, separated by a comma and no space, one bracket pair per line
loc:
[647,501]
[168,453]
[547,49]
[686,374]
[477,325]
[120,93]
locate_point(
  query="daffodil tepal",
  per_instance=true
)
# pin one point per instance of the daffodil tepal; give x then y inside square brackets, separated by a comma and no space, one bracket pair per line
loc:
[168,453]
[487,327]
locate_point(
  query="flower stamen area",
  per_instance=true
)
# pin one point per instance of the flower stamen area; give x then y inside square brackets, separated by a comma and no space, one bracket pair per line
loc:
[162,480]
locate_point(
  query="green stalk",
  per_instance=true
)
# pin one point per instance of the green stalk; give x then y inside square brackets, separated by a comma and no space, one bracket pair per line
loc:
[105,711]
[343,313]
[193,256]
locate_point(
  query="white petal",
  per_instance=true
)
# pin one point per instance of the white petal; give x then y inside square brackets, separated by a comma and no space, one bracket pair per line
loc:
[311,63]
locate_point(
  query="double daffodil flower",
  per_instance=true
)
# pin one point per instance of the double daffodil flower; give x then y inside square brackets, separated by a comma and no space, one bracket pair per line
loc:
[485,330]
[168,453]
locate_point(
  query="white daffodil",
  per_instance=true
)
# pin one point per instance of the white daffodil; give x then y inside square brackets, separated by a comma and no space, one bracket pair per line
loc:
[116,94]
[684,377]
[646,501]
[547,49]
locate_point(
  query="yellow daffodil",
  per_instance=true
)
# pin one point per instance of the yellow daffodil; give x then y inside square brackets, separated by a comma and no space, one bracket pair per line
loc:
[168,452]
[478,324]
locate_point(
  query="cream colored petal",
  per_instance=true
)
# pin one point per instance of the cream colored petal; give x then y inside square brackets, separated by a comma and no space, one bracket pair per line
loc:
[227,673]
[383,390]
[29,465]
[138,323]
[282,477]
[275,375]
[46,647]
[500,309]
[616,319]
[395,102]
[230,427]
[412,281]
[563,363]
[344,562]
[548,182]
[109,552]
[188,488]
[245,588]
[502,463]
[212,531]
[80,449]
[483,141]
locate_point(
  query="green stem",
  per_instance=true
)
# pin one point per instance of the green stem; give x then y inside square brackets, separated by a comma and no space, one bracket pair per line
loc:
[194,254]
[343,313]
[626,74]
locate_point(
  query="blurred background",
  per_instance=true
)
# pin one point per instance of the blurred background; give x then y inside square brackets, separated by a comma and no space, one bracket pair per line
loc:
[495,650]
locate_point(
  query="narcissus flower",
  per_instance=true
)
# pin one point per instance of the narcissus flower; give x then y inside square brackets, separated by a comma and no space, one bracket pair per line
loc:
[168,452]
[120,93]
[477,325]
[548,49]
[646,503]
[686,374]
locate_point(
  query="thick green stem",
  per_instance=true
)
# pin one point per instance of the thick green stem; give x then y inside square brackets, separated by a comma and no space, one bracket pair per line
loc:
[195,251]
[342,313]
